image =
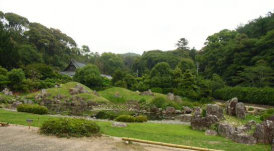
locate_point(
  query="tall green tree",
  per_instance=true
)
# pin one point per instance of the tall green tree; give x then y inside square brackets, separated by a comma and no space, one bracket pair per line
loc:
[161,76]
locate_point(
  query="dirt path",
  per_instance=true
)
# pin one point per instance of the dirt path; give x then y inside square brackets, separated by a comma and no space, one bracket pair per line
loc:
[20,138]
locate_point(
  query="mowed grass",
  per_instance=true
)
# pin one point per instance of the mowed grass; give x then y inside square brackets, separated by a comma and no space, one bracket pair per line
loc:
[168,133]
[64,91]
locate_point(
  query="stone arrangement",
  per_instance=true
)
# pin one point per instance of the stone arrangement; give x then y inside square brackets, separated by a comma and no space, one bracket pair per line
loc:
[7,92]
[148,92]
[235,108]
[78,89]
[172,97]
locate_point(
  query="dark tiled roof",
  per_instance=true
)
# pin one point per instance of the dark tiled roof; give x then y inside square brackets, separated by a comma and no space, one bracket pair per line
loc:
[77,64]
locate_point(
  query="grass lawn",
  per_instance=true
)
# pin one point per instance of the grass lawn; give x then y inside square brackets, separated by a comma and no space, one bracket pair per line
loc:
[64,91]
[168,133]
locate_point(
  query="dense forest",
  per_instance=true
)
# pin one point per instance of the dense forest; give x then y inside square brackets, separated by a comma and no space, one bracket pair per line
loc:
[241,58]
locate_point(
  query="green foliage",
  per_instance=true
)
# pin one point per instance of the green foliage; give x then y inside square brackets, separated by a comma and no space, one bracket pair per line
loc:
[4,80]
[142,101]
[186,64]
[247,94]
[121,84]
[88,75]
[68,127]
[125,118]
[140,118]
[111,62]
[216,82]
[268,113]
[118,75]
[40,71]
[157,90]
[35,109]
[158,102]
[111,115]
[8,51]
[161,75]
[16,77]
[203,113]
[29,55]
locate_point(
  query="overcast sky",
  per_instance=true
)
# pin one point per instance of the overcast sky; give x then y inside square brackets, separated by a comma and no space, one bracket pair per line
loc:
[122,26]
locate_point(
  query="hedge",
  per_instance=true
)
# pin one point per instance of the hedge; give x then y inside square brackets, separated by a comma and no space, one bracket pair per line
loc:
[247,94]
[35,109]
[129,118]
[66,127]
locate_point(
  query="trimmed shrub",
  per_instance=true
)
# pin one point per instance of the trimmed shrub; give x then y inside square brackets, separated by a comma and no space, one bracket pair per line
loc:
[35,109]
[247,94]
[158,102]
[125,118]
[68,127]
[141,118]
[111,115]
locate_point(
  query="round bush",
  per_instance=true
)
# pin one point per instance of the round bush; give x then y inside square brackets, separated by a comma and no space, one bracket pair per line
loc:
[141,118]
[125,118]
[158,102]
[68,127]
[35,109]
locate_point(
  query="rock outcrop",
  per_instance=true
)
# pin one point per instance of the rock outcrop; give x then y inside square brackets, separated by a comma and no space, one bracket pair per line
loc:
[240,110]
[214,109]
[244,139]
[264,132]
[148,92]
[226,130]
[211,132]
[231,106]
[203,123]
[78,89]
[7,92]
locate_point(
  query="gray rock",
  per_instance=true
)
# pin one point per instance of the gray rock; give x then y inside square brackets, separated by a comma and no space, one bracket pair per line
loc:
[186,117]
[264,132]
[240,129]
[170,96]
[244,139]
[170,110]
[178,112]
[211,132]
[226,130]
[240,110]
[231,106]
[250,125]
[96,93]
[119,124]
[117,95]
[16,104]
[7,92]
[187,110]
[149,92]
[203,123]
[214,109]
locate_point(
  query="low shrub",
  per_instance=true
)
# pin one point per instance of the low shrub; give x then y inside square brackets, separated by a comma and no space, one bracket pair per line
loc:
[142,101]
[35,109]
[251,109]
[125,118]
[141,118]
[247,94]
[69,127]
[111,115]
[158,102]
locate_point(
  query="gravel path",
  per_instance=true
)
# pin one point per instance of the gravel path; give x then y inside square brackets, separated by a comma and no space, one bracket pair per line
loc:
[20,138]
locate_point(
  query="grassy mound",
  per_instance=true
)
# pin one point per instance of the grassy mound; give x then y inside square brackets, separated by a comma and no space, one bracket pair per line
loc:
[64,91]
[125,95]
[66,127]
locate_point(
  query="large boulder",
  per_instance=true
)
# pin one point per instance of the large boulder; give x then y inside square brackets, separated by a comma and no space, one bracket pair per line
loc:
[226,130]
[78,89]
[244,139]
[214,109]
[240,110]
[203,123]
[16,104]
[231,106]
[170,96]
[264,132]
